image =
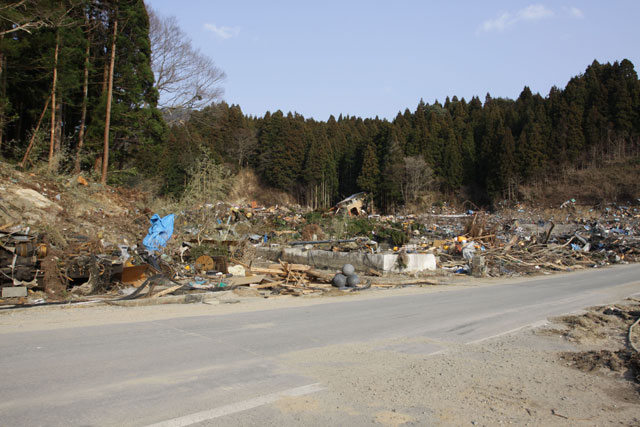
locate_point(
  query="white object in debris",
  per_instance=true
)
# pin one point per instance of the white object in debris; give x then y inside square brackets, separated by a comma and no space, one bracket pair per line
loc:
[237,270]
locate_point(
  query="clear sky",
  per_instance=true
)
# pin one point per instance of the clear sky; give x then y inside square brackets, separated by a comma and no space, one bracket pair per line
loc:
[375,58]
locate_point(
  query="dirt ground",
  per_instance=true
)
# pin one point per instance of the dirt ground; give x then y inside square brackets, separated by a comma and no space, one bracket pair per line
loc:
[575,370]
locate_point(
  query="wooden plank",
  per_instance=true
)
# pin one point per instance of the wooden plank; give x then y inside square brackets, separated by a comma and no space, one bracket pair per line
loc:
[246,280]
[260,270]
[320,275]
[291,267]
[267,285]
[167,291]
[285,285]
[484,237]
[512,242]
[320,285]
[407,282]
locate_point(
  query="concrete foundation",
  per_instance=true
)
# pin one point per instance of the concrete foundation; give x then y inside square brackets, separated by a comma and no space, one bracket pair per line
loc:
[385,262]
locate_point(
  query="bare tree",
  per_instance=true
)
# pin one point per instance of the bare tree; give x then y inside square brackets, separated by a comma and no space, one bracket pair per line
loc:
[418,177]
[244,146]
[20,16]
[185,78]
[29,15]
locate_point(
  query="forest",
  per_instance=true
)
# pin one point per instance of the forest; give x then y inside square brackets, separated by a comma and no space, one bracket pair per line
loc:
[78,93]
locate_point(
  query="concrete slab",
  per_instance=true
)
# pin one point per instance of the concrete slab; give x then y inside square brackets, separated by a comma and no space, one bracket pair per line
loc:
[14,292]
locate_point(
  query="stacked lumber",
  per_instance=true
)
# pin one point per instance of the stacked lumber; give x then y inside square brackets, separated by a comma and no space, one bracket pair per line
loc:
[292,279]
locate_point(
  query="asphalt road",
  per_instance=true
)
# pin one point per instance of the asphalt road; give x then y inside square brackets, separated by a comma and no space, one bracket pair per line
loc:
[211,369]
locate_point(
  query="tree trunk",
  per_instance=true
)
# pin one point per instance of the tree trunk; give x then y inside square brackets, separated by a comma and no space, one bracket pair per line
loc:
[58,139]
[107,122]
[33,136]
[3,87]
[53,101]
[105,78]
[85,96]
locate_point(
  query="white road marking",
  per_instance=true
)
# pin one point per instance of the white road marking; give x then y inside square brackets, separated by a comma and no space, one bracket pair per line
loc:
[533,325]
[233,408]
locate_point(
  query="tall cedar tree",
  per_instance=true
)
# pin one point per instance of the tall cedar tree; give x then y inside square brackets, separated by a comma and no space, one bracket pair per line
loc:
[369,177]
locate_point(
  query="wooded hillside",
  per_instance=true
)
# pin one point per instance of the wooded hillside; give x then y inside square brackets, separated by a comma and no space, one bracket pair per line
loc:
[55,68]
[488,148]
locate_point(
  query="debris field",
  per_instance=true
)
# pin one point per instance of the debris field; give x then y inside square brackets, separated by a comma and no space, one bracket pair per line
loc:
[69,241]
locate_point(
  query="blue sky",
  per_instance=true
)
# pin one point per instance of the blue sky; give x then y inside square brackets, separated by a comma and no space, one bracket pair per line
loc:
[375,58]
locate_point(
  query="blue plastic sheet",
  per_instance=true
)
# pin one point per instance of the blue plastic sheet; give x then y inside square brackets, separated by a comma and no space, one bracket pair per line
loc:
[160,232]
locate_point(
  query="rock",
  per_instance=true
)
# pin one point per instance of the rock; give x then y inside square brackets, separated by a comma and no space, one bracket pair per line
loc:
[28,199]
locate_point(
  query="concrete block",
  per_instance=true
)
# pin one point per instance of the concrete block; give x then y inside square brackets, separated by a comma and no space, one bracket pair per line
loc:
[409,263]
[478,266]
[14,292]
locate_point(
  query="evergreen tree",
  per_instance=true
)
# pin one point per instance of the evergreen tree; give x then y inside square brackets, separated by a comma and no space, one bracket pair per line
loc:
[390,187]
[138,124]
[451,171]
[369,177]
[319,171]
[507,165]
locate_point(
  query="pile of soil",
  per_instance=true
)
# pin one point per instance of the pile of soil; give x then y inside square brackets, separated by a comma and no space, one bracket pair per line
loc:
[606,329]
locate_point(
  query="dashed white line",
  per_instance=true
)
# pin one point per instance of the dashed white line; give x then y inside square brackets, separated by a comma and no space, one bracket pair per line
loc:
[233,408]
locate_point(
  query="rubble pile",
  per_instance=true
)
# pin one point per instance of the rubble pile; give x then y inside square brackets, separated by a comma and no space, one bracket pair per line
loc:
[21,255]
[510,247]
[91,245]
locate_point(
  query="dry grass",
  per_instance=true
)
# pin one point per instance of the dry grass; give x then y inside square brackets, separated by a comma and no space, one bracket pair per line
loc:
[247,188]
[615,182]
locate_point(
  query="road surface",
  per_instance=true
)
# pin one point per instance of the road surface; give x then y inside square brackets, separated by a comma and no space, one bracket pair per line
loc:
[230,369]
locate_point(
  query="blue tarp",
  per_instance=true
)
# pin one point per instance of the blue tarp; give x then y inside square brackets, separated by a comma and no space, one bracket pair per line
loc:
[159,233]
